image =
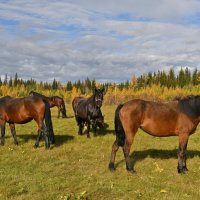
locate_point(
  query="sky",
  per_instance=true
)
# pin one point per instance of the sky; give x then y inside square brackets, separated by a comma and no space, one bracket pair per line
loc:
[107,40]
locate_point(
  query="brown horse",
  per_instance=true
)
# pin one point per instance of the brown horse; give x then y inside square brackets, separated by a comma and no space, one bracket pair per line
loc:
[53,101]
[23,110]
[176,118]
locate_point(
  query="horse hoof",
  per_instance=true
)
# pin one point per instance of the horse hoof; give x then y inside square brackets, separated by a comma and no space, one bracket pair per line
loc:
[88,136]
[2,143]
[16,143]
[111,167]
[181,171]
[36,146]
[130,169]
[53,142]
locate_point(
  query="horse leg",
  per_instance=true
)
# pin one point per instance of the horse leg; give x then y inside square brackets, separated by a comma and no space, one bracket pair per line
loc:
[88,128]
[183,140]
[42,130]
[130,133]
[59,111]
[3,129]
[46,136]
[40,133]
[126,150]
[115,148]
[80,126]
[95,127]
[12,128]
[80,132]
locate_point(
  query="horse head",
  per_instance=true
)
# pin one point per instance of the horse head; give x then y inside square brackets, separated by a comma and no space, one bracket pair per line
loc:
[98,97]
[100,121]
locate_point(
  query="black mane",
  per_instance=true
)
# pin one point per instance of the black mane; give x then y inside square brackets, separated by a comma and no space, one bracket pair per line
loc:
[190,105]
[37,94]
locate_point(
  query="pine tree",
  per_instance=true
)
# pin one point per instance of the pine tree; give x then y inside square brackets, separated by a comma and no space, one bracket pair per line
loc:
[187,76]
[5,80]
[149,79]
[54,84]
[93,85]
[16,80]
[69,86]
[10,83]
[163,79]
[171,83]
[194,77]
[181,78]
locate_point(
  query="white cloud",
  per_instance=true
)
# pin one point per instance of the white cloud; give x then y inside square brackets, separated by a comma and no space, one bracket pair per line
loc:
[79,39]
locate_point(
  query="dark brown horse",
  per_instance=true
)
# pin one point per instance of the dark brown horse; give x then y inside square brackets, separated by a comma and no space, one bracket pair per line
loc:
[53,101]
[176,118]
[87,109]
[23,110]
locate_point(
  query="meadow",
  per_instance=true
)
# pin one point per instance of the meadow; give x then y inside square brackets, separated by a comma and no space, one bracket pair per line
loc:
[77,167]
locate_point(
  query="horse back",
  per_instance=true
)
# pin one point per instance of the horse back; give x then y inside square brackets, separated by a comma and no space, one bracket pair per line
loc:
[80,107]
[155,118]
[23,110]
[75,102]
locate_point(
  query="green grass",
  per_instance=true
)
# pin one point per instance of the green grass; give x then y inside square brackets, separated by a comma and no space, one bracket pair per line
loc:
[77,167]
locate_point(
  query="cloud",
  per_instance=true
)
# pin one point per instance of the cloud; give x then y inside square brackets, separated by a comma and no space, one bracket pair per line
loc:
[105,40]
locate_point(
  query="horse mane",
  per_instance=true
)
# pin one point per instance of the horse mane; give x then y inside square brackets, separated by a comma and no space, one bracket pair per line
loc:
[190,105]
[38,94]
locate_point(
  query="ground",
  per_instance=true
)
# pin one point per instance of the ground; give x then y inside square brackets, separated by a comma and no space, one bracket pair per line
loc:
[77,167]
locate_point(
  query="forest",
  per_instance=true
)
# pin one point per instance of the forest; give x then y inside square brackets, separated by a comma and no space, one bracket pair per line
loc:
[160,85]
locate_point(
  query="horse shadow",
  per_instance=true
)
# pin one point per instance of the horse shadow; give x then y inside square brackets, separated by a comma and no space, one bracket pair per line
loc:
[62,139]
[137,156]
[59,139]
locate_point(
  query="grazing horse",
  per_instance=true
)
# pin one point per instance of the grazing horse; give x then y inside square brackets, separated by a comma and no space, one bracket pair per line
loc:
[53,101]
[87,109]
[176,118]
[99,121]
[23,110]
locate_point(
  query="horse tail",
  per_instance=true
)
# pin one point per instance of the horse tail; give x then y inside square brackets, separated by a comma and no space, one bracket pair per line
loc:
[48,122]
[63,108]
[119,130]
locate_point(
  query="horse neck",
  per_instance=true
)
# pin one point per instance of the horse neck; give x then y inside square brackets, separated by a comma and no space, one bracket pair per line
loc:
[91,100]
[191,107]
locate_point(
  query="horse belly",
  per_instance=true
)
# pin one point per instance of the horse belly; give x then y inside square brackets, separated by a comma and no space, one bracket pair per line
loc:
[19,119]
[19,116]
[159,127]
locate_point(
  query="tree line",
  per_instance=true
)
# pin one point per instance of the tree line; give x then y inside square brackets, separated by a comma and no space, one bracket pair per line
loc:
[160,85]
[166,79]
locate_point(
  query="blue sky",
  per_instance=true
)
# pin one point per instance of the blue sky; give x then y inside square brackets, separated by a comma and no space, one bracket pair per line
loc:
[106,40]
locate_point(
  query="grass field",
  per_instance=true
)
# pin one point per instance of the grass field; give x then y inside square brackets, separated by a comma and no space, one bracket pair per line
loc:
[77,167]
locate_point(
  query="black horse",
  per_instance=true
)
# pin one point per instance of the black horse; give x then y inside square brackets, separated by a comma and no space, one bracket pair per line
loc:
[87,109]
[23,110]
[98,122]
[53,101]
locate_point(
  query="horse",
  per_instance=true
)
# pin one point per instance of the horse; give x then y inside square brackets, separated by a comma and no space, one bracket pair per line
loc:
[98,121]
[178,117]
[23,110]
[53,101]
[87,109]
